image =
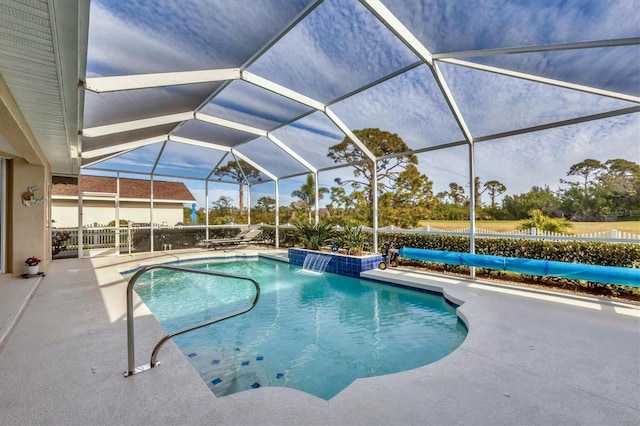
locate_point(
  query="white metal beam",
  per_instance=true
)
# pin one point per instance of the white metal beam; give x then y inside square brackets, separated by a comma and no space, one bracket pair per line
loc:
[281,90]
[544,80]
[540,48]
[122,147]
[109,129]
[143,81]
[389,19]
[569,122]
[333,117]
[291,152]
[230,124]
[453,106]
[196,142]
[253,164]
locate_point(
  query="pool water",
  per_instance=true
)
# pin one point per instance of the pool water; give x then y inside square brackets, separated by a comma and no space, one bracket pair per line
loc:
[313,332]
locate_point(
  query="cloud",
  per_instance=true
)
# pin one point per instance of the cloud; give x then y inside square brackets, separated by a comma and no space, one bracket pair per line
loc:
[245,103]
[450,26]
[341,45]
[181,35]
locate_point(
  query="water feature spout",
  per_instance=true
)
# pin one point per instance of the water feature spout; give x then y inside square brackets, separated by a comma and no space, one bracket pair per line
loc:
[316,262]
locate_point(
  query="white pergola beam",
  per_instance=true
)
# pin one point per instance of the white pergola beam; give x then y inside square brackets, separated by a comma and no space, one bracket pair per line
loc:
[230,124]
[334,118]
[395,26]
[254,164]
[196,142]
[123,147]
[125,126]
[544,80]
[281,90]
[144,81]
[291,153]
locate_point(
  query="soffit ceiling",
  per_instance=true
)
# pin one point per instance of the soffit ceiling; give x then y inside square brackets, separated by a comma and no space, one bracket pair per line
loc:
[179,89]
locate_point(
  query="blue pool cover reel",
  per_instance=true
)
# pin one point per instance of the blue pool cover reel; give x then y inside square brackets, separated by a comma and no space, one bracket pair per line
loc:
[577,271]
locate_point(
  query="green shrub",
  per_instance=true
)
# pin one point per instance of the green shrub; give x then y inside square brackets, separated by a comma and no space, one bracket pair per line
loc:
[313,236]
[352,238]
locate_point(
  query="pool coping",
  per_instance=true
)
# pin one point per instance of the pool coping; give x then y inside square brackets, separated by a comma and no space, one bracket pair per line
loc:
[530,357]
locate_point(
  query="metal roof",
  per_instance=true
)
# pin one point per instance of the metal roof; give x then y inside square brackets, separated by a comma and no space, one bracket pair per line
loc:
[178,89]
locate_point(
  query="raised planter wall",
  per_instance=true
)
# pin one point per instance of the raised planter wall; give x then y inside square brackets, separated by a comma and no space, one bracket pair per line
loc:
[341,263]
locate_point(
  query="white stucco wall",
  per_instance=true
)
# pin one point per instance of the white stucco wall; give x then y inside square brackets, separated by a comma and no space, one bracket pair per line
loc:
[65,212]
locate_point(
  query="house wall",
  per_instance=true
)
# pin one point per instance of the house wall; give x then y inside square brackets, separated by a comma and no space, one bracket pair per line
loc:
[101,212]
[28,232]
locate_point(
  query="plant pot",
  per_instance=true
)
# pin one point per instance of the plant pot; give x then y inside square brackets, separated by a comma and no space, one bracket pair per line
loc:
[32,270]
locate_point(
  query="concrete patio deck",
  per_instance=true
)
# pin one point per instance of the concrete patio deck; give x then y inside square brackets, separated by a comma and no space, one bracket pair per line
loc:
[531,357]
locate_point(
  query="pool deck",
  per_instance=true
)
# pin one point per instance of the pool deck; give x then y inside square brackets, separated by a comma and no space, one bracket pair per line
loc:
[531,357]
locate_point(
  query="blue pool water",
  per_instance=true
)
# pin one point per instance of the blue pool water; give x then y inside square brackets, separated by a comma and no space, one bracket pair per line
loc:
[311,332]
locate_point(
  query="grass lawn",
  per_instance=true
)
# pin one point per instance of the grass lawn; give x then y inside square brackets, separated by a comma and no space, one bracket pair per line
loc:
[512,225]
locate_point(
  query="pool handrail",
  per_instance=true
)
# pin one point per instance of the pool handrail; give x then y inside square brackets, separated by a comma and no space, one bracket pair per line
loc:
[131,369]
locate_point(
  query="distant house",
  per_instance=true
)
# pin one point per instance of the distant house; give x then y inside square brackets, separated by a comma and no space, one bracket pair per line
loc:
[100,194]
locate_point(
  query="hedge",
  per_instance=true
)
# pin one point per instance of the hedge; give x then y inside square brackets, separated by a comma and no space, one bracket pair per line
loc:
[588,252]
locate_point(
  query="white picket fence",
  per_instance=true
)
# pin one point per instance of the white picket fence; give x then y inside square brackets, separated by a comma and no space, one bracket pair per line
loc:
[612,236]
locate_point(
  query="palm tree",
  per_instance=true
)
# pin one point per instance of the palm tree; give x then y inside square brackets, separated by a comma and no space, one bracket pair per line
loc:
[307,194]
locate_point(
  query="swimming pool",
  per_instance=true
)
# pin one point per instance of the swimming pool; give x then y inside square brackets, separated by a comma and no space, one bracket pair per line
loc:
[313,332]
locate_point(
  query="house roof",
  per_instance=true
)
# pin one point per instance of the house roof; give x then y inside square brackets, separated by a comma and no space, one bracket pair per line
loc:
[129,188]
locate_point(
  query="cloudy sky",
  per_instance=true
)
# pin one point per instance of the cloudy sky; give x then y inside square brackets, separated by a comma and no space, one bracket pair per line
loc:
[341,47]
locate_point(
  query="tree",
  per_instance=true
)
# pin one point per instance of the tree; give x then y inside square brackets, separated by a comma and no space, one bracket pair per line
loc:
[307,194]
[586,169]
[518,206]
[381,144]
[455,195]
[223,204]
[240,172]
[339,199]
[618,190]
[410,202]
[495,189]
[266,204]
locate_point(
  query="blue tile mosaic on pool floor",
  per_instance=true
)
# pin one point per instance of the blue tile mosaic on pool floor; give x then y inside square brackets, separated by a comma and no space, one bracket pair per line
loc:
[192,354]
[245,363]
[216,381]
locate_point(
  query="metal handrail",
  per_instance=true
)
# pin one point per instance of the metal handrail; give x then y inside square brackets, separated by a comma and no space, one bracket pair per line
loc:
[131,370]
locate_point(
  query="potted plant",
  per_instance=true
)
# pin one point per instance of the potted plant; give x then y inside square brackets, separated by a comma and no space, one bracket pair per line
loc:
[32,265]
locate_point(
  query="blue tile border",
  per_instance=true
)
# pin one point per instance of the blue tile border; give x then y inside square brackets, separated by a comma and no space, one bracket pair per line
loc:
[341,264]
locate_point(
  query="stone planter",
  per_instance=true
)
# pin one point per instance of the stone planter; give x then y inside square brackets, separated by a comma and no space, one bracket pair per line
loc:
[340,263]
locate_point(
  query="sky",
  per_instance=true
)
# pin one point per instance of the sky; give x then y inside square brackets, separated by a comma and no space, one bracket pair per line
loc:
[341,47]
